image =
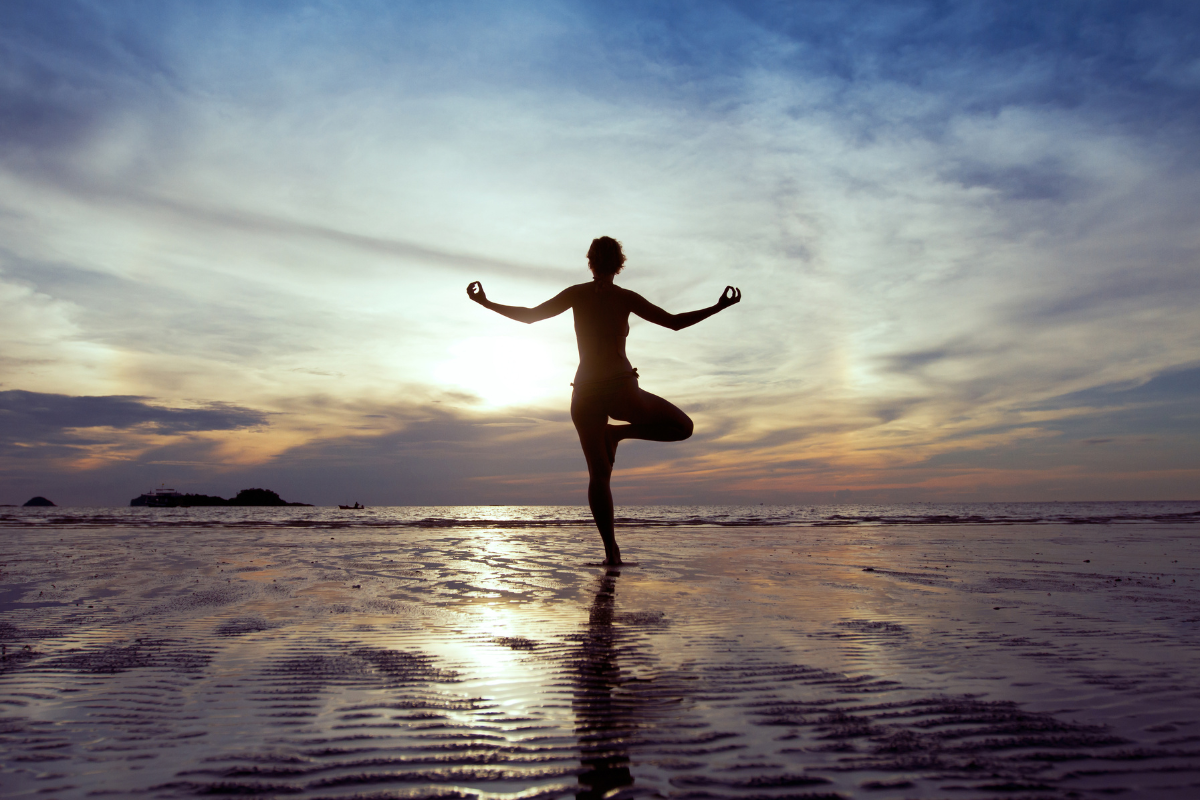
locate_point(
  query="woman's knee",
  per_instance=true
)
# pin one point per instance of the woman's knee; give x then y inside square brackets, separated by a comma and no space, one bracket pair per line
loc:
[668,417]
[684,426]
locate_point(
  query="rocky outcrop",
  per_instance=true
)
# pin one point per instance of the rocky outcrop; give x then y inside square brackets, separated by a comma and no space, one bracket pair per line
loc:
[246,497]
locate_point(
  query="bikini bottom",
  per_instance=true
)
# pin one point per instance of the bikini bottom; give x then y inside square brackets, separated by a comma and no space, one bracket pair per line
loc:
[606,386]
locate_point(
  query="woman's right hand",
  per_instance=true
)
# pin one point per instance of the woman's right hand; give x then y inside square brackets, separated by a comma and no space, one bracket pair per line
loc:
[730,296]
[475,292]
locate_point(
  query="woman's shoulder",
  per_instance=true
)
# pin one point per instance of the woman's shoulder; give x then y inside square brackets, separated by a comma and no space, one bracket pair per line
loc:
[626,297]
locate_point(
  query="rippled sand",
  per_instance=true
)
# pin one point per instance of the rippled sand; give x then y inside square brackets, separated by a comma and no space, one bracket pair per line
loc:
[948,661]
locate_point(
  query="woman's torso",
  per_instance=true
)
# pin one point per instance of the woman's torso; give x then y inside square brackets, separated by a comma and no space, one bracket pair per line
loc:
[601,313]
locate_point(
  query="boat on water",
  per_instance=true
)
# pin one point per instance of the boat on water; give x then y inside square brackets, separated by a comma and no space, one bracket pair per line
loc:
[356,507]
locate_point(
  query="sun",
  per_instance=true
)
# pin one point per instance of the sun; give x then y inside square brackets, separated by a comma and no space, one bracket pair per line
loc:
[505,370]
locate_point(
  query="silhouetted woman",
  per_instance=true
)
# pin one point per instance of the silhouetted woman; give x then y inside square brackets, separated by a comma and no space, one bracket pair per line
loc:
[606,385]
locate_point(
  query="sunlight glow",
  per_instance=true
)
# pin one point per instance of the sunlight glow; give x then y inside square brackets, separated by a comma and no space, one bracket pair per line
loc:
[503,370]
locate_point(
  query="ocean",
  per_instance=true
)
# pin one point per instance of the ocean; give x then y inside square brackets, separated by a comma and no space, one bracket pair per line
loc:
[848,514]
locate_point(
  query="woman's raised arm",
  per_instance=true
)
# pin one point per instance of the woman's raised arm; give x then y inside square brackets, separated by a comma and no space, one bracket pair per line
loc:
[551,308]
[676,322]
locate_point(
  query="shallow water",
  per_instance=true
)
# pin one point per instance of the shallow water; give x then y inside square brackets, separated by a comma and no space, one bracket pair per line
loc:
[756,516]
[473,661]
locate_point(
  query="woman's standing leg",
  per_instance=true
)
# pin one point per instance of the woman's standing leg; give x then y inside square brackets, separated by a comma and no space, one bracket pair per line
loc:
[591,423]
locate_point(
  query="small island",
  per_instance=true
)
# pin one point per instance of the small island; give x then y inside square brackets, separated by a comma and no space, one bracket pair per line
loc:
[39,502]
[169,498]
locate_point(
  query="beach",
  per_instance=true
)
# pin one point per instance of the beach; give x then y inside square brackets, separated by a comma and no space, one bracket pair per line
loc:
[328,660]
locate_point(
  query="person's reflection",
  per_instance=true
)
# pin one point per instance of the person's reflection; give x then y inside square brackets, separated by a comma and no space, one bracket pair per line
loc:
[601,723]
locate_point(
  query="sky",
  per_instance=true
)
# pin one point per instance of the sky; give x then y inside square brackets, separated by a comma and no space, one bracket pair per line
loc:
[235,239]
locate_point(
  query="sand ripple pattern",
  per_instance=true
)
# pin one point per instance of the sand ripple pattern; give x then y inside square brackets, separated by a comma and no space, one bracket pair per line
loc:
[467,665]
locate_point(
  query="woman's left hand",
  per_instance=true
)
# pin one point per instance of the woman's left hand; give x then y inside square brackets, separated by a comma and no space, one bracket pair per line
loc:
[730,296]
[475,291]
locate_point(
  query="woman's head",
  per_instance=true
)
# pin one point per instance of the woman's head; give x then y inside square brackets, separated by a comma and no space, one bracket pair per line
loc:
[605,256]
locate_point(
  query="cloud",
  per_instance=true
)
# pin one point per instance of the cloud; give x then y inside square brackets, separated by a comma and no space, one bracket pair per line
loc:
[979,57]
[393,453]
[415,453]
[33,418]
[1177,386]
[1043,181]
[74,74]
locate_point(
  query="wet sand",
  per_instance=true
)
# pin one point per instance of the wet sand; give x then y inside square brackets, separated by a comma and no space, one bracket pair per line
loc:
[901,662]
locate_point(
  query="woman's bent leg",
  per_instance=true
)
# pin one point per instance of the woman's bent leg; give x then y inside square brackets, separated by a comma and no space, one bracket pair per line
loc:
[649,416]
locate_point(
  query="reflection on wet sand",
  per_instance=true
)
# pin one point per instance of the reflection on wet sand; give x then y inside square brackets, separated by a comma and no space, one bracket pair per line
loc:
[601,723]
[487,665]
